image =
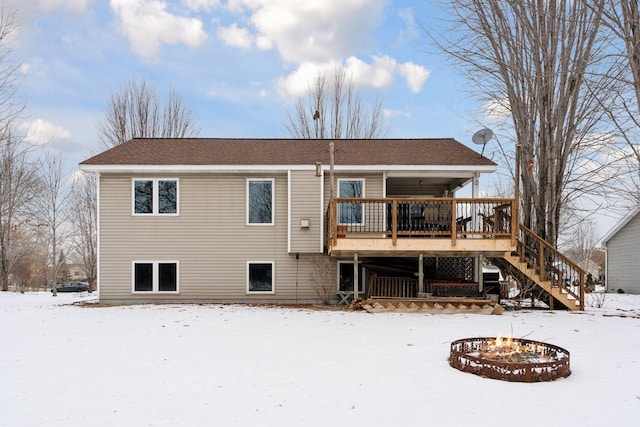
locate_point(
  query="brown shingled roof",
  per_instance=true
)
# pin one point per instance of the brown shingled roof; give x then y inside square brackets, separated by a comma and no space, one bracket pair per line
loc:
[224,151]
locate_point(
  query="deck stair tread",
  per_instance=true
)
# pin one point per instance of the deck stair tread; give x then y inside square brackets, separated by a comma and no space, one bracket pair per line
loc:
[433,305]
[560,294]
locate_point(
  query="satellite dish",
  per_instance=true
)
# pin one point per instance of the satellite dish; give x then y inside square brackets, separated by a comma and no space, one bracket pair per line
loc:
[482,137]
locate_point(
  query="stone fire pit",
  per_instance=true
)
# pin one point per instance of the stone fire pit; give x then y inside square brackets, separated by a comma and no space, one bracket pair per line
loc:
[510,359]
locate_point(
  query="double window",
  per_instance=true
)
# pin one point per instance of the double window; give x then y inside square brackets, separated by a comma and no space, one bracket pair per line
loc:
[155,196]
[155,276]
[260,201]
[260,277]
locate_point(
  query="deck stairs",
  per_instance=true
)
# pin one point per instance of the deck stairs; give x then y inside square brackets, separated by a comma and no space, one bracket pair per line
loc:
[433,305]
[538,266]
[543,273]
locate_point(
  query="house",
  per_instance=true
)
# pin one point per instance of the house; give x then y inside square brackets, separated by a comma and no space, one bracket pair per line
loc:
[622,266]
[593,263]
[75,271]
[246,220]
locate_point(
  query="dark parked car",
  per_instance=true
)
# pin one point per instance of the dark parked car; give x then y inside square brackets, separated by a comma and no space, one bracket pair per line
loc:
[72,287]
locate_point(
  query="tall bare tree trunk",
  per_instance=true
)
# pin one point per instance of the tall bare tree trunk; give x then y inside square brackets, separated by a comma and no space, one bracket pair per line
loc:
[533,57]
[52,203]
[15,173]
[84,217]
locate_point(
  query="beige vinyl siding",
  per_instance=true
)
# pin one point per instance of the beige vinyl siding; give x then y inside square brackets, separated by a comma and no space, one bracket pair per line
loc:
[305,203]
[210,239]
[623,259]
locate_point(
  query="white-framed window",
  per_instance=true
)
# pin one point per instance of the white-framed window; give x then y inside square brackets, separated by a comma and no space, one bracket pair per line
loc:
[351,213]
[155,277]
[260,199]
[346,277]
[261,277]
[155,196]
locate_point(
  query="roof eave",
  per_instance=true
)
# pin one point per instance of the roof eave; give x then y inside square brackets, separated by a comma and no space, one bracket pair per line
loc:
[624,221]
[395,170]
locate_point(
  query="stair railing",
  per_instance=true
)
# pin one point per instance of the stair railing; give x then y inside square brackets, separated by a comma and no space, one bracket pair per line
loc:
[550,264]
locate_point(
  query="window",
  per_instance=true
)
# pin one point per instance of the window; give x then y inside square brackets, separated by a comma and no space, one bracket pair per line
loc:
[155,276]
[345,277]
[351,213]
[260,277]
[260,201]
[155,196]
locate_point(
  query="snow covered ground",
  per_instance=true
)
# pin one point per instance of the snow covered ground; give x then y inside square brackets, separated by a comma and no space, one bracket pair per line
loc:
[72,365]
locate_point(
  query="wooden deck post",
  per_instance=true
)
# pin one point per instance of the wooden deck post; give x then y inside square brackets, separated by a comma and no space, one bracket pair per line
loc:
[333,224]
[356,278]
[420,274]
[394,221]
[454,222]
[582,279]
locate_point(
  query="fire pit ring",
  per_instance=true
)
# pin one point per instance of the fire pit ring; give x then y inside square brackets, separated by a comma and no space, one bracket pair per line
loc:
[512,359]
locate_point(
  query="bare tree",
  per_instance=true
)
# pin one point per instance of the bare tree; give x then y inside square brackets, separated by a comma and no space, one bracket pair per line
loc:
[323,277]
[52,204]
[16,173]
[10,76]
[135,111]
[333,108]
[84,219]
[622,19]
[540,60]
[18,186]
[584,236]
[25,270]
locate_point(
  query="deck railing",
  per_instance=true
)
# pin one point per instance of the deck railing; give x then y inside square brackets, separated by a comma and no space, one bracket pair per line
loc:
[550,264]
[434,217]
[393,287]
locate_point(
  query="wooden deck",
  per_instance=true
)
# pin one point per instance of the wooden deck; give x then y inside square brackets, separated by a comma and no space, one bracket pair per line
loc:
[445,227]
[406,227]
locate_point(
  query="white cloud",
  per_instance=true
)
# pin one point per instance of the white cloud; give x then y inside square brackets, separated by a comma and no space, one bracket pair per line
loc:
[312,31]
[201,4]
[497,110]
[416,75]
[378,74]
[146,24]
[387,113]
[263,43]
[42,132]
[317,35]
[297,83]
[408,15]
[236,37]
[24,68]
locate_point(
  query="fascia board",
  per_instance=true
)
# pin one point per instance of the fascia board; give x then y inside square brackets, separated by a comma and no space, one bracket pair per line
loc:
[624,221]
[392,170]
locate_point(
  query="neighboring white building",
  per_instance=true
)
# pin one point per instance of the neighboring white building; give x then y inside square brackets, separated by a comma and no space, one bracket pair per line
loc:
[76,271]
[623,255]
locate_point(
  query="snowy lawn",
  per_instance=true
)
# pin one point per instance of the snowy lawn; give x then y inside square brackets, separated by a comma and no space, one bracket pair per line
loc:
[64,364]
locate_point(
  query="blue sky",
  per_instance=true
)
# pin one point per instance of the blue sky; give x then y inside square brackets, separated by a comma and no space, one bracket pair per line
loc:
[238,63]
